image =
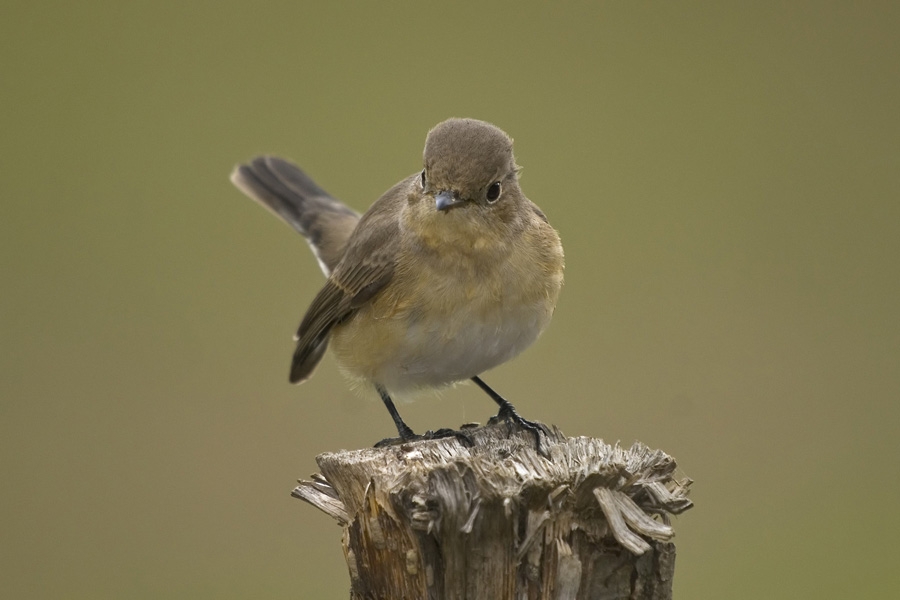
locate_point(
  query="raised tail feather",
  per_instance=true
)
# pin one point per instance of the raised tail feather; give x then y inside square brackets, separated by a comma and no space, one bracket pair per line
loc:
[324,221]
[292,195]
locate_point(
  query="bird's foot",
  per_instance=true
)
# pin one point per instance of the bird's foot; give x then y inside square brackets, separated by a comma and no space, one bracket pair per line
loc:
[462,437]
[509,414]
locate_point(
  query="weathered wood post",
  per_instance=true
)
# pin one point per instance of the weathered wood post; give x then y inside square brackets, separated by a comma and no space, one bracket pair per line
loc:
[496,520]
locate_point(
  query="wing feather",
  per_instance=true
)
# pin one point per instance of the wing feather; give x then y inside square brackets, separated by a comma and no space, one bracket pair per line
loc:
[365,269]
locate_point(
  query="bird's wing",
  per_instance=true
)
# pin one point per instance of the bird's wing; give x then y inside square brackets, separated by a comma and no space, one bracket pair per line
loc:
[365,269]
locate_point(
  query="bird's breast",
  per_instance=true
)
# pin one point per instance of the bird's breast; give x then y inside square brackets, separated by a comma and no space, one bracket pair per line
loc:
[446,317]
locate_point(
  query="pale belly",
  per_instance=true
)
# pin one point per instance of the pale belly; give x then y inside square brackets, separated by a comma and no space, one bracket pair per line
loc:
[445,333]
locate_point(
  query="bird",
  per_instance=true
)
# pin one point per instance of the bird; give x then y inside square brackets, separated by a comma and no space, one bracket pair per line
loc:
[450,273]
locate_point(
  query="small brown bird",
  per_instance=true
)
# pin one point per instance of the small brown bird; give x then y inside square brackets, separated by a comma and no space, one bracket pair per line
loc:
[451,272]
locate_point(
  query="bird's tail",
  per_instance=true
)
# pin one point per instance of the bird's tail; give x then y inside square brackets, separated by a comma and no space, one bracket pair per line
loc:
[292,195]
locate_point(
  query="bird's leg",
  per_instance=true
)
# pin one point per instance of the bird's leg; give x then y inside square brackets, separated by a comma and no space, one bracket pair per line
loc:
[402,428]
[509,414]
[407,434]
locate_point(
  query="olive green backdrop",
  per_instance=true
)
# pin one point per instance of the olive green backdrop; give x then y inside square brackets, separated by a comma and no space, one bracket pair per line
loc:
[725,180]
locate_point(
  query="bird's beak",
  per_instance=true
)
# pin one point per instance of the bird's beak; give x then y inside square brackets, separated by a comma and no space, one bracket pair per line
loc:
[446,199]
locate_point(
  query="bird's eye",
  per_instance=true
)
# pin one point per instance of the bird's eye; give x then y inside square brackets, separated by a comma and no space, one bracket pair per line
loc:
[493,192]
[423,178]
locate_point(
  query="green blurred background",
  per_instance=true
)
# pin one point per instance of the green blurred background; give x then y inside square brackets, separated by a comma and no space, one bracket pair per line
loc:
[725,181]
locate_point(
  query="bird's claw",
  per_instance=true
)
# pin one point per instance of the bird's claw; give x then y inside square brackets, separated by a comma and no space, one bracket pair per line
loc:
[462,437]
[509,414]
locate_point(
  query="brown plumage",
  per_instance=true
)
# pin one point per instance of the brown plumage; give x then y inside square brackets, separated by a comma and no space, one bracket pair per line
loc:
[450,273]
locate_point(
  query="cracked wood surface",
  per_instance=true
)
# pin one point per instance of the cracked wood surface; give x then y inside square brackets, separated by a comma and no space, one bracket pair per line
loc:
[438,519]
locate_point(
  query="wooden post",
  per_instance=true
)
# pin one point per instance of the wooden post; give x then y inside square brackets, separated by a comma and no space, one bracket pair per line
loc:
[496,520]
